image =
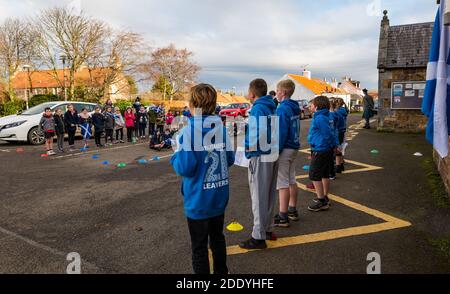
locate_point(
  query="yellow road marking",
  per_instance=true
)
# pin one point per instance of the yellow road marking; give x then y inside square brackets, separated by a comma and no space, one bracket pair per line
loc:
[391,223]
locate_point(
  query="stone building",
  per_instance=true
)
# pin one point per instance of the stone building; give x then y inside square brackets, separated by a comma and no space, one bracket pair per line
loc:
[403,56]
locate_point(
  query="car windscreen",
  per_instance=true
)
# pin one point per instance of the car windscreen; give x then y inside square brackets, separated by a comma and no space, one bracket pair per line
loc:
[38,109]
[232,106]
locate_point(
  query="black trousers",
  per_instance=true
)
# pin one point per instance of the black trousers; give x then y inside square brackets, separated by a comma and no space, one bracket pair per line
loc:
[142,128]
[130,132]
[201,231]
[98,136]
[109,133]
[71,133]
[151,129]
[119,134]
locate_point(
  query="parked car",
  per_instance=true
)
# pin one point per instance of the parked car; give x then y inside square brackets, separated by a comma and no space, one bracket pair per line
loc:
[235,110]
[23,127]
[304,107]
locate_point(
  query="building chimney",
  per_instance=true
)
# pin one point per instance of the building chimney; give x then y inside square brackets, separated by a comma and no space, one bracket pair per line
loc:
[306,74]
[384,38]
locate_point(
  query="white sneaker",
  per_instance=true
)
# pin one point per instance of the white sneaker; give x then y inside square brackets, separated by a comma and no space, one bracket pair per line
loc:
[51,152]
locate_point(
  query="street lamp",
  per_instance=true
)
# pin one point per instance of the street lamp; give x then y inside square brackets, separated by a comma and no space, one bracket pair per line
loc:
[63,58]
[27,96]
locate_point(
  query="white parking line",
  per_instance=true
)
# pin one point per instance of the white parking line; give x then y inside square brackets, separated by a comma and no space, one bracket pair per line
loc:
[42,246]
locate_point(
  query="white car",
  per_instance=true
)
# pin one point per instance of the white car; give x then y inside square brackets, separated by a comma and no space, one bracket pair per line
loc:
[23,127]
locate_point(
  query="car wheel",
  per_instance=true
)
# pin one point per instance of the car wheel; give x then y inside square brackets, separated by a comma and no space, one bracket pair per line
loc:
[35,137]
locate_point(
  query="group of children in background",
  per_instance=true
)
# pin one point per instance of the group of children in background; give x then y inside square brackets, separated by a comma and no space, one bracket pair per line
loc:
[109,123]
[205,172]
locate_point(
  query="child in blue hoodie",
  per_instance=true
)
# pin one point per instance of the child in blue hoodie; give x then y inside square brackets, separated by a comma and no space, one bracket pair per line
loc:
[335,121]
[203,158]
[288,112]
[263,164]
[323,144]
[342,128]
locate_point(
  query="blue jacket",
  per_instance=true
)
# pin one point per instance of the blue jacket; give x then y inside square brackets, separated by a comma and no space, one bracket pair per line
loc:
[289,113]
[263,107]
[342,127]
[321,137]
[335,120]
[204,169]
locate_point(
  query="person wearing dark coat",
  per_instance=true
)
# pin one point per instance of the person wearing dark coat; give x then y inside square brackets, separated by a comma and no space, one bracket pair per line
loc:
[60,129]
[369,106]
[98,120]
[71,121]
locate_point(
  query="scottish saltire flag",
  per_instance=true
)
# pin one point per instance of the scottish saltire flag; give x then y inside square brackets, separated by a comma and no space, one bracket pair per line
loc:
[436,102]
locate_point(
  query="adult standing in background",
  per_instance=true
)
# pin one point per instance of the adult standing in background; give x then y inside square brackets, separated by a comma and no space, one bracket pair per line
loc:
[137,104]
[108,103]
[71,120]
[369,106]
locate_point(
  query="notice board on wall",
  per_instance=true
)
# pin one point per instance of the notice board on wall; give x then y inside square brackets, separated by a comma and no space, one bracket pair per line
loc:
[407,95]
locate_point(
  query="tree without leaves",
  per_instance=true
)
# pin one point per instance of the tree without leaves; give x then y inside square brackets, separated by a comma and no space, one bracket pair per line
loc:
[17,48]
[62,32]
[121,54]
[174,65]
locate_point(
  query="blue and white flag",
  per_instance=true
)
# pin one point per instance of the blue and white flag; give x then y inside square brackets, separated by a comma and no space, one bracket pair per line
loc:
[436,102]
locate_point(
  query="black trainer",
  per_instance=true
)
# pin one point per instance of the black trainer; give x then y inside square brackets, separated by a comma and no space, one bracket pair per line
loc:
[253,244]
[319,206]
[326,199]
[281,222]
[293,216]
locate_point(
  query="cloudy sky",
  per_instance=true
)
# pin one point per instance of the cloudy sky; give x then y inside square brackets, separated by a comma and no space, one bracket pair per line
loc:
[235,41]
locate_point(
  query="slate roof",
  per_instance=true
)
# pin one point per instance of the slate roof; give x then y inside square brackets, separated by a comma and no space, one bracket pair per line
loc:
[409,45]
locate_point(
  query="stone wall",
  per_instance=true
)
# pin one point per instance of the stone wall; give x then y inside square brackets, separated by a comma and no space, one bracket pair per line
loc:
[443,166]
[399,120]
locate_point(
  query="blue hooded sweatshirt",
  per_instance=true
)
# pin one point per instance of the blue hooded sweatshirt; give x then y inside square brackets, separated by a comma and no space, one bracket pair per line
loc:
[321,137]
[289,113]
[335,120]
[203,158]
[342,127]
[263,107]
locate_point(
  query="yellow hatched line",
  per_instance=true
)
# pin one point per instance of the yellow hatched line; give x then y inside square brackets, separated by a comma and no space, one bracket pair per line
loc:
[391,223]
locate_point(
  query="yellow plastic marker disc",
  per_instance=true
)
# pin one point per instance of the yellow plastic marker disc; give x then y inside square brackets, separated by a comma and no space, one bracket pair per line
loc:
[235,227]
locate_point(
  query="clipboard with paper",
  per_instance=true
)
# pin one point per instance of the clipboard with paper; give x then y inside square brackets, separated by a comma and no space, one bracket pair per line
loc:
[240,159]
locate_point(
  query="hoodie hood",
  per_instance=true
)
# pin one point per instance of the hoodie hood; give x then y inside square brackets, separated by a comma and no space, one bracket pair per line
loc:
[266,101]
[293,105]
[202,125]
[325,112]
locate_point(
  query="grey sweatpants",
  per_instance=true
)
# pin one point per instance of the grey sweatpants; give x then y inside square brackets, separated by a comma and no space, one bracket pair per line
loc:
[60,140]
[262,178]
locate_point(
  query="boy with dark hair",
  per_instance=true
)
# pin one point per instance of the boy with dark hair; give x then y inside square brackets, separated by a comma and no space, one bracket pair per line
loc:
[205,186]
[289,115]
[323,144]
[263,168]
[47,126]
[98,120]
